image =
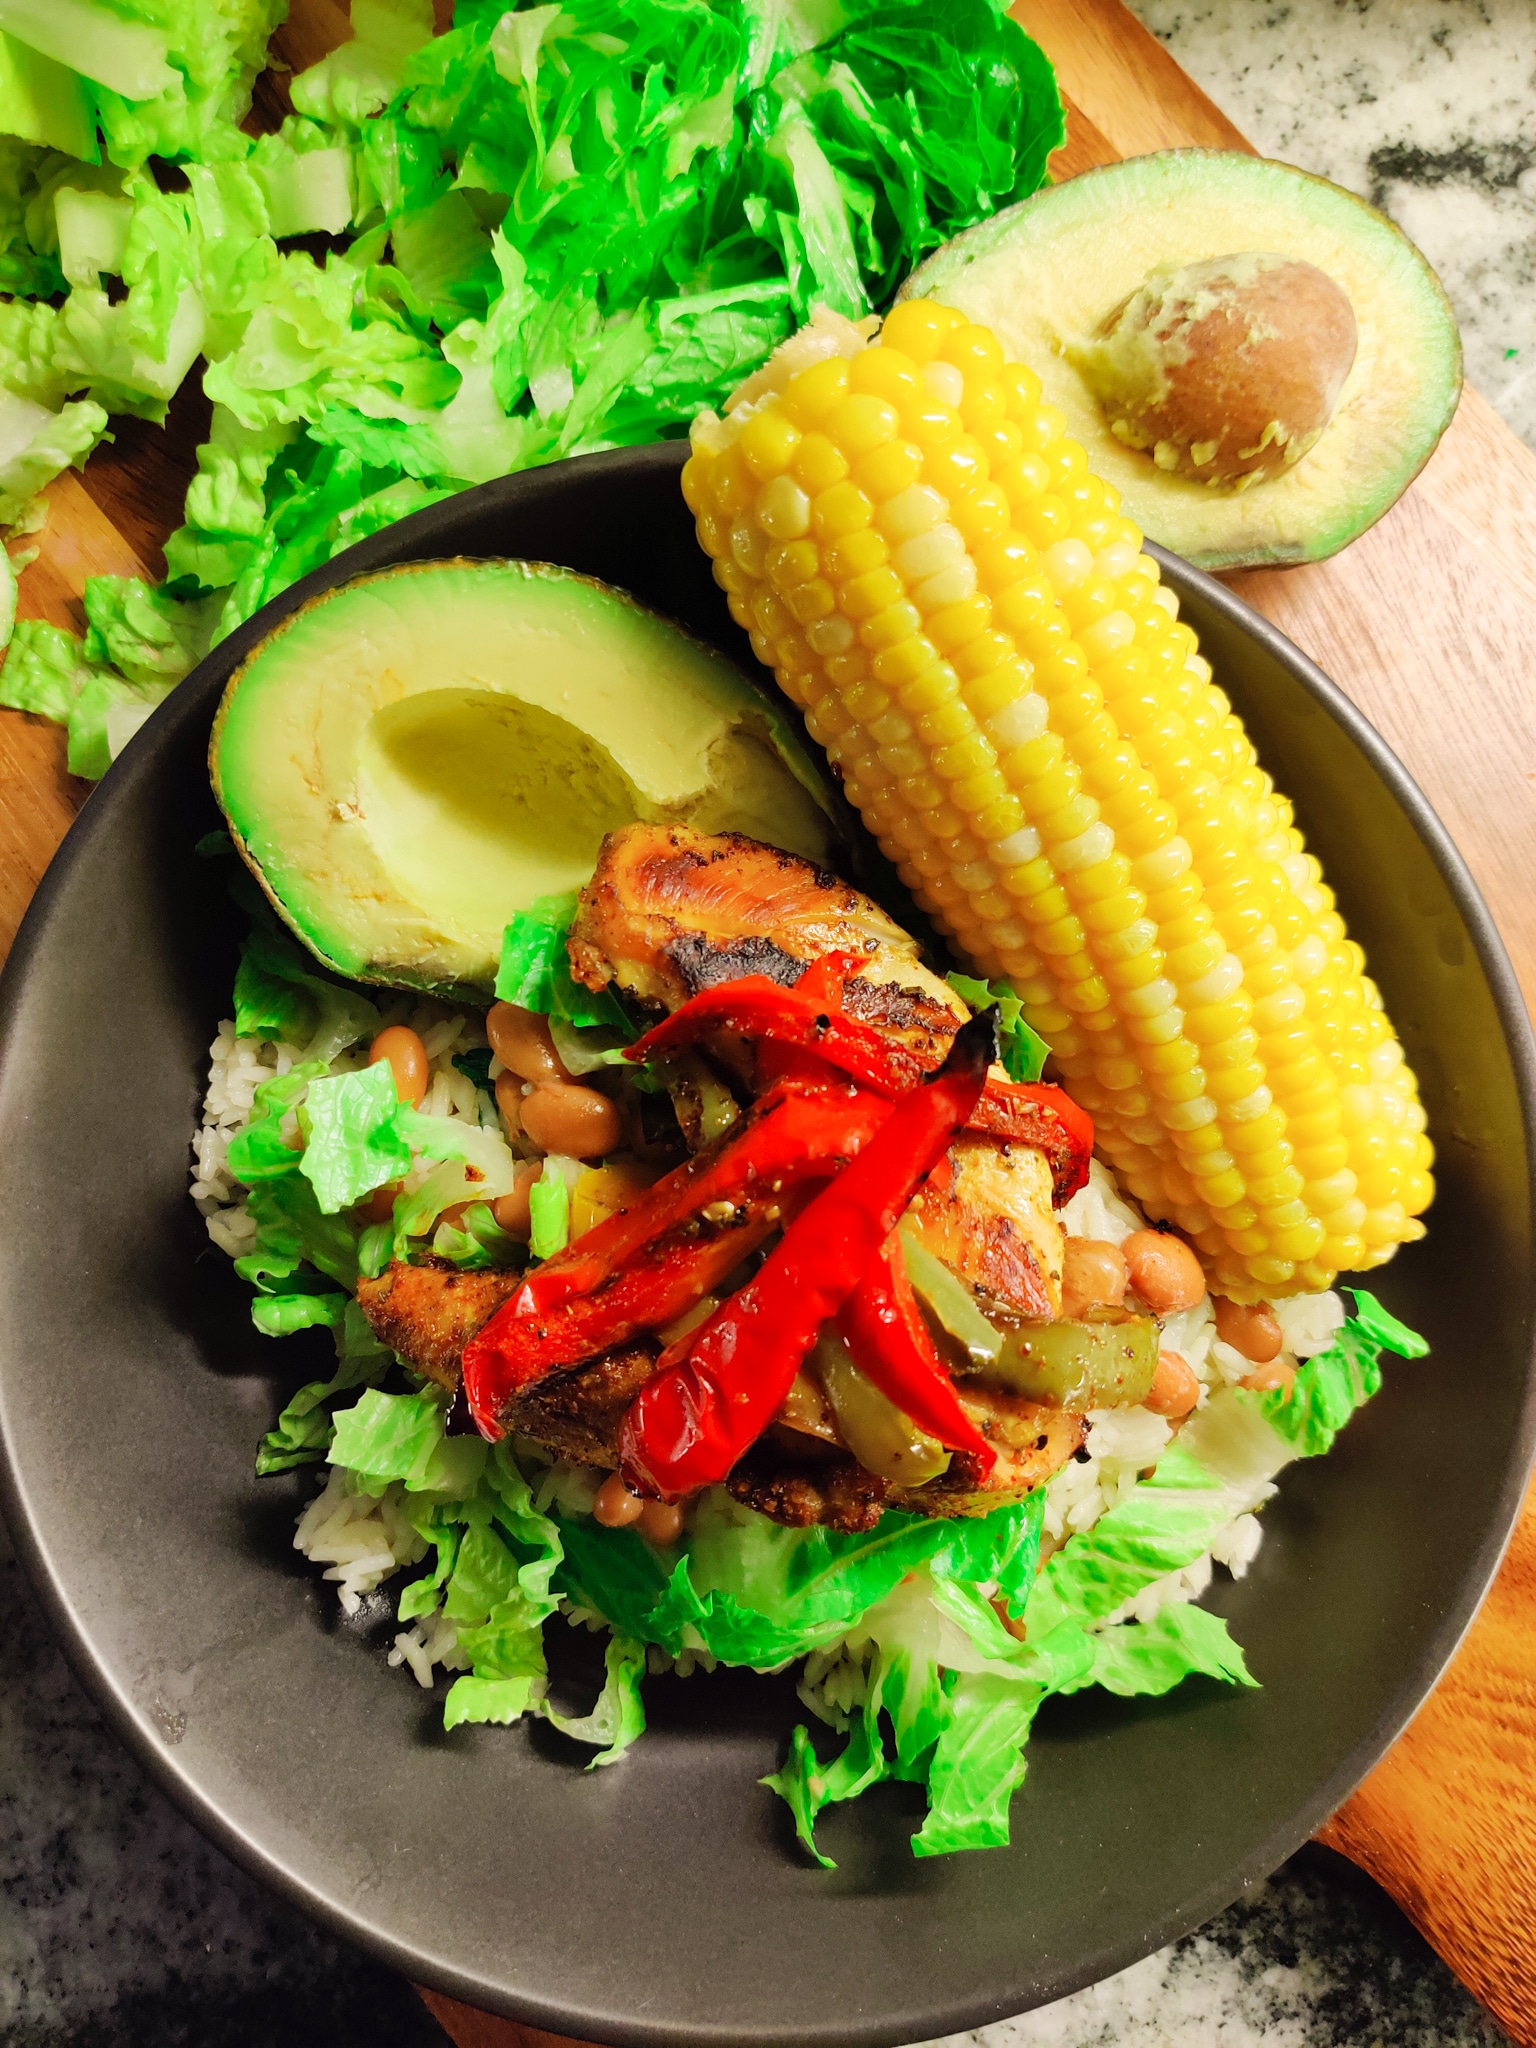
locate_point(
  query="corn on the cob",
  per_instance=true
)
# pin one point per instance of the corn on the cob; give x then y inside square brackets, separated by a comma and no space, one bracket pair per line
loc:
[997,674]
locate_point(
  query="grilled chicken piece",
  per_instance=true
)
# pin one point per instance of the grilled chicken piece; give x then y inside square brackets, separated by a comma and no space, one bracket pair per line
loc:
[993,1225]
[426,1314]
[577,1414]
[804,1482]
[835,1492]
[1032,1442]
[670,911]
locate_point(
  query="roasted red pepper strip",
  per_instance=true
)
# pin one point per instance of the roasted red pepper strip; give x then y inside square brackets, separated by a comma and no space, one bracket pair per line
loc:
[882,1327]
[646,1265]
[1033,1113]
[1039,1114]
[760,1008]
[783,1130]
[691,1423]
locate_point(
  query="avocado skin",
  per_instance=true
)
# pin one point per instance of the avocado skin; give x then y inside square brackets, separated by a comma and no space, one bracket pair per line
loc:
[1022,273]
[409,759]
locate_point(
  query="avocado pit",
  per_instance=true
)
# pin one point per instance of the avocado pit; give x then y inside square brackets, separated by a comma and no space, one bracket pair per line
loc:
[1225,371]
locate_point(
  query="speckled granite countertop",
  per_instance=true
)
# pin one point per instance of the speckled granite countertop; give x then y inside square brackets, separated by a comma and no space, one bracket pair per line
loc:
[1425,107]
[119,1925]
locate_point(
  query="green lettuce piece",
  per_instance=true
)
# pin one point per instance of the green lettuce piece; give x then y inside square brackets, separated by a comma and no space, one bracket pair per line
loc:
[549,1212]
[353,1144]
[291,1234]
[106,713]
[306,180]
[479,1243]
[43,101]
[42,445]
[752,1592]
[279,997]
[501,1700]
[198,61]
[435,1525]
[400,1436]
[360,77]
[978,1763]
[28,360]
[260,1152]
[619,1715]
[1164,1523]
[280,1315]
[1023,1052]
[531,950]
[226,508]
[1333,1383]
[1154,1656]
[149,637]
[302,1433]
[42,670]
[47,672]
[1383,1327]
[807,1785]
[93,232]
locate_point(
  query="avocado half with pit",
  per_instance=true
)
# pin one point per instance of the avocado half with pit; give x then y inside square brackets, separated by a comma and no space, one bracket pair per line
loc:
[1206,274]
[417,755]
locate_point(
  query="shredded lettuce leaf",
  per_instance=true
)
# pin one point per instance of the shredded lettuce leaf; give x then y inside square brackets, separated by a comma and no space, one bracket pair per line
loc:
[279,996]
[302,1433]
[353,1143]
[619,1715]
[1023,1051]
[551,232]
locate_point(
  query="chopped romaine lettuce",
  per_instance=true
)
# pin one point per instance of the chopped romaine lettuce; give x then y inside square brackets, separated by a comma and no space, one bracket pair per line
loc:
[1023,1051]
[353,1142]
[570,230]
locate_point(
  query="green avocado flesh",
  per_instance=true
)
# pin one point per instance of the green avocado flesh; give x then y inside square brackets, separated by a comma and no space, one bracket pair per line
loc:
[414,757]
[1044,276]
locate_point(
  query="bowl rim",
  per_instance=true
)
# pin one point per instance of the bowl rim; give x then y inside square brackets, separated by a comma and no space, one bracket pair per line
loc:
[186,706]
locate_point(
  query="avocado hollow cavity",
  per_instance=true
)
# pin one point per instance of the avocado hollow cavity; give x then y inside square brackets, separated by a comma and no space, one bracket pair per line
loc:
[473,799]
[414,757]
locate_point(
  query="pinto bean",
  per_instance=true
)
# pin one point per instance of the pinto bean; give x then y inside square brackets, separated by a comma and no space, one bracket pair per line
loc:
[616,1507]
[1274,1377]
[407,1056]
[1164,1271]
[520,1040]
[1093,1275]
[560,1117]
[1175,1389]
[1251,1328]
[661,1522]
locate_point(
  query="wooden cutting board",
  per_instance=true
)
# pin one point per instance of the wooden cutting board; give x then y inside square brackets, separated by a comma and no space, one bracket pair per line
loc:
[1429,623]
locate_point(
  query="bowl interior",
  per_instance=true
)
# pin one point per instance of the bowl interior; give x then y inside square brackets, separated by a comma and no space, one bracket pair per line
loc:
[663,1901]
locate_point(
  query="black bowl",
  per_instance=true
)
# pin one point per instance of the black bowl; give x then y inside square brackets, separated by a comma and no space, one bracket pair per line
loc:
[663,1901]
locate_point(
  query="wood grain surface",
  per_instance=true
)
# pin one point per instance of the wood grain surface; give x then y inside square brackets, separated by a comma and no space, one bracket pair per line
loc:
[1429,623]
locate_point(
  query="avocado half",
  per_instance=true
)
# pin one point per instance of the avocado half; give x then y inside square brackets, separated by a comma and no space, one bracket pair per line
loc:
[1044,276]
[415,756]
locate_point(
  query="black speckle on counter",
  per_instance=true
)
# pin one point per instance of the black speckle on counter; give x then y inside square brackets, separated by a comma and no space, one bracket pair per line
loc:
[1491,167]
[120,1927]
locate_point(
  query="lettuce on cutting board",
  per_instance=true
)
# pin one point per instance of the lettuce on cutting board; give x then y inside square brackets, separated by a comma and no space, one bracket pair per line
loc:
[553,229]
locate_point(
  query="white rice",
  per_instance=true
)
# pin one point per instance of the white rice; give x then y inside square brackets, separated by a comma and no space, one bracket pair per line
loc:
[361,1538]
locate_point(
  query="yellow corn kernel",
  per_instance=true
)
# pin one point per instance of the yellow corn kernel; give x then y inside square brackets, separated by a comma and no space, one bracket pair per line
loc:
[1006,688]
